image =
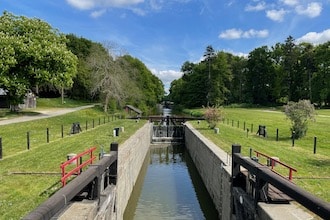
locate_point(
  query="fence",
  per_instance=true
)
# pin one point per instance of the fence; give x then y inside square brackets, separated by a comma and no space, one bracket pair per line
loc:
[26,139]
[80,164]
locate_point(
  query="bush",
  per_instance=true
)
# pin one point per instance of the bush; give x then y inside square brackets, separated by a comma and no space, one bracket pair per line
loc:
[213,115]
[299,113]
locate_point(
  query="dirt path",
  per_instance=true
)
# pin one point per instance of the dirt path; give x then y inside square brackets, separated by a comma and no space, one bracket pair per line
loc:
[43,114]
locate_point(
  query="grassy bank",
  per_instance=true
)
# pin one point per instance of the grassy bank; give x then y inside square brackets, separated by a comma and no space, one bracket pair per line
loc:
[313,169]
[23,187]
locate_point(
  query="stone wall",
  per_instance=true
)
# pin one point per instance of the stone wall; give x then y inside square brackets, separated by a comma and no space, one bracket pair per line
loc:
[131,156]
[213,164]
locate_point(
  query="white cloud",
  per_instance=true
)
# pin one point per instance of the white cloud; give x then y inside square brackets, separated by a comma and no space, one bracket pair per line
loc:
[312,10]
[90,4]
[290,2]
[315,38]
[258,7]
[276,15]
[238,33]
[96,14]
[167,76]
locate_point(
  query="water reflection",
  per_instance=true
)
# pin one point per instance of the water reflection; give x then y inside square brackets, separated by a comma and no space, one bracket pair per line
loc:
[172,189]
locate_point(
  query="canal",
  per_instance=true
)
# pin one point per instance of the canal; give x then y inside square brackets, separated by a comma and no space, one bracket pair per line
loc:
[169,187]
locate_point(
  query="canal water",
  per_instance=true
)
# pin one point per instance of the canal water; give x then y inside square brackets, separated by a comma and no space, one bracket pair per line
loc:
[169,187]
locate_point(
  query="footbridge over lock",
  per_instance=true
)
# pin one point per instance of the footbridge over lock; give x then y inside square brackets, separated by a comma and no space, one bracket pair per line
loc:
[108,187]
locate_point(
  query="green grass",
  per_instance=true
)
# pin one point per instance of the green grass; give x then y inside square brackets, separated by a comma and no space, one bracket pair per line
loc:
[313,169]
[21,193]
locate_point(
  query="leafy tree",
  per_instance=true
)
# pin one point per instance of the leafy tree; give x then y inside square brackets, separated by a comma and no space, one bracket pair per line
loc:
[299,113]
[32,53]
[82,85]
[321,77]
[260,77]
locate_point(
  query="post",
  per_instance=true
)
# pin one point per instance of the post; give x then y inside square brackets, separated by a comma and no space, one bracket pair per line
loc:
[251,128]
[244,126]
[28,140]
[315,138]
[0,148]
[93,123]
[104,120]
[86,125]
[292,138]
[62,130]
[251,152]
[277,134]
[47,135]
[99,121]
[247,132]
[237,124]
[114,146]
[235,148]
[232,123]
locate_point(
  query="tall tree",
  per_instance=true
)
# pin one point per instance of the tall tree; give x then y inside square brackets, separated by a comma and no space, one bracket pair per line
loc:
[32,53]
[260,76]
[208,57]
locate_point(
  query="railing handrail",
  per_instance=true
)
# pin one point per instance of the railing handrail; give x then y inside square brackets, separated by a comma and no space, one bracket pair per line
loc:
[78,167]
[272,160]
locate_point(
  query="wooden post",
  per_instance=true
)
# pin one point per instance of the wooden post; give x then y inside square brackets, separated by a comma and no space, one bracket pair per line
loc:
[62,131]
[315,145]
[28,140]
[47,135]
[0,148]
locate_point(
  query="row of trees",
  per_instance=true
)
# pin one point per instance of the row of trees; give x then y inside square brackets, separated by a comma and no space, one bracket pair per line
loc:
[36,57]
[268,76]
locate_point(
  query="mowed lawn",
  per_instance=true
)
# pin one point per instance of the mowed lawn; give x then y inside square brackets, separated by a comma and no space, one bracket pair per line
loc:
[313,170]
[29,177]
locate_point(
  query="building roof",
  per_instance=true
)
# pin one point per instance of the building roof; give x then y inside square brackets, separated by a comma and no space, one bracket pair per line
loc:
[133,109]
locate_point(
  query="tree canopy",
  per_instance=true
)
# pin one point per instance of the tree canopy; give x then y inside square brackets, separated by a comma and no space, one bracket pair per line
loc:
[32,53]
[267,76]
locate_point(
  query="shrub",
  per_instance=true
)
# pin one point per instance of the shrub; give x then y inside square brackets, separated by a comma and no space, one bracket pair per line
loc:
[299,113]
[213,115]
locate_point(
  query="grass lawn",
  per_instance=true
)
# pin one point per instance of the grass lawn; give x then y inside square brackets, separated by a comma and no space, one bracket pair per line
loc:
[313,169]
[21,193]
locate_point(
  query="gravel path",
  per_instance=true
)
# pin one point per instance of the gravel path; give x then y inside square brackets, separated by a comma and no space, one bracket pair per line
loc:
[43,114]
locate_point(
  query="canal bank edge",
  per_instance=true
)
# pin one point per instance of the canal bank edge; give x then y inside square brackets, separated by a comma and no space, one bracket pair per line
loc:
[131,155]
[214,166]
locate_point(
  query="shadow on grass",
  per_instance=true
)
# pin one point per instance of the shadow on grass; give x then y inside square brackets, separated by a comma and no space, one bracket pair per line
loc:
[319,162]
[8,114]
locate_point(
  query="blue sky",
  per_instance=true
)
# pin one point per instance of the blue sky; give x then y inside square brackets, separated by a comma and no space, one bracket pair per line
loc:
[165,33]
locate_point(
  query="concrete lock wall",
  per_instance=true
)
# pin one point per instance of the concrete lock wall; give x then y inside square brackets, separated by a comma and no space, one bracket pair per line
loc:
[131,155]
[213,164]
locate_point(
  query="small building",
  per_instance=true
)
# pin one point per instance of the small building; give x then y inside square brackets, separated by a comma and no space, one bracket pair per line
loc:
[131,110]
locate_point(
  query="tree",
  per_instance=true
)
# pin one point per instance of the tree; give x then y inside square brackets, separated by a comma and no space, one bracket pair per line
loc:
[107,76]
[260,77]
[208,57]
[32,53]
[299,113]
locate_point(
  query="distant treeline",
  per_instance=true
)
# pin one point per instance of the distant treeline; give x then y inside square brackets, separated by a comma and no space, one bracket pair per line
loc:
[267,76]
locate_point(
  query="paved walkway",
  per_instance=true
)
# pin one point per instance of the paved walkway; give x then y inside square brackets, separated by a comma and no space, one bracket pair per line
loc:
[43,114]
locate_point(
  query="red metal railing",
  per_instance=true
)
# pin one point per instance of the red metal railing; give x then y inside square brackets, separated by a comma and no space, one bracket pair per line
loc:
[273,161]
[79,164]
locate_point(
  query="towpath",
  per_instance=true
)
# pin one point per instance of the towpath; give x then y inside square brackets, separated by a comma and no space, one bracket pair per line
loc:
[47,113]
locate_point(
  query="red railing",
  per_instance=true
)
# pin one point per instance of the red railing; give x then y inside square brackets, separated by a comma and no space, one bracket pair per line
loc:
[273,161]
[79,164]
